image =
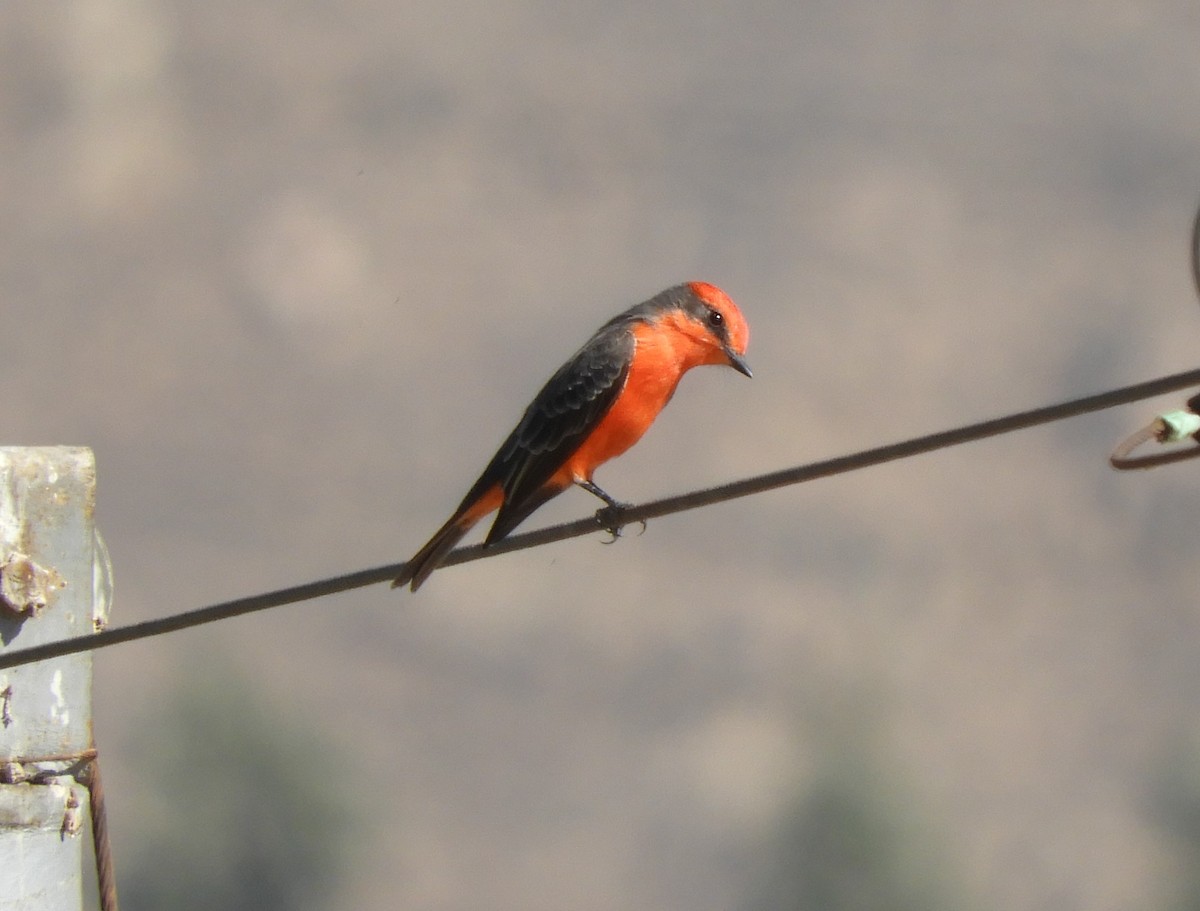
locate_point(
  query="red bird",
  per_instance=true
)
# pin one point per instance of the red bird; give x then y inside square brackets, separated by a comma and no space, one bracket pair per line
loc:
[596,406]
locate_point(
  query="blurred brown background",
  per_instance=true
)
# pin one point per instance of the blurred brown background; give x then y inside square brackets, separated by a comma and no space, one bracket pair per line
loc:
[294,269]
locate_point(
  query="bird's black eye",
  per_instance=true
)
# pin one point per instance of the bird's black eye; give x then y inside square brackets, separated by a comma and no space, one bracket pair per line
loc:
[716,318]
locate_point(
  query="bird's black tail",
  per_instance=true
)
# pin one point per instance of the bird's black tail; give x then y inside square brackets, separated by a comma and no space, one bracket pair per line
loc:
[430,557]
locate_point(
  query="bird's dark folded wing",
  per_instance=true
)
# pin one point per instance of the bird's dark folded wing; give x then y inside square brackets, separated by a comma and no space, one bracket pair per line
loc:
[556,423]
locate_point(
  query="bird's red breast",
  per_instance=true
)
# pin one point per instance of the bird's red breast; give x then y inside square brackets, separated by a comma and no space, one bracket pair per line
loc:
[664,349]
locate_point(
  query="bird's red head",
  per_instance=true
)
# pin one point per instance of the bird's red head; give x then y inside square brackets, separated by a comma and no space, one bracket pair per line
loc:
[725,332]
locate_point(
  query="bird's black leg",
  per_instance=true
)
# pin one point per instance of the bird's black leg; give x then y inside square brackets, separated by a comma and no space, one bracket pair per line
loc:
[608,518]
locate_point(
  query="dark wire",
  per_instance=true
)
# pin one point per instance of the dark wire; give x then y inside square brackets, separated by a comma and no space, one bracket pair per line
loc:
[630,514]
[106,878]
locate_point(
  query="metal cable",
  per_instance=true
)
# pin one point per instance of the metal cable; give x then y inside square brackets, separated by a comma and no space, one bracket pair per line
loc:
[607,517]
[106,877]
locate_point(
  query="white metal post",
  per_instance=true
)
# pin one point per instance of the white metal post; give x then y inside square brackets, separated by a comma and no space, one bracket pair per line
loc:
[48,591]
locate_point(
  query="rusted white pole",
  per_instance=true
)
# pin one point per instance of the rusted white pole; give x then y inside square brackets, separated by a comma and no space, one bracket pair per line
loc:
[53,585]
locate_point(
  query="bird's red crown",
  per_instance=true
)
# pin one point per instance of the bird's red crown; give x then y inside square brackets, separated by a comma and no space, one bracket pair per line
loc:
[735,323]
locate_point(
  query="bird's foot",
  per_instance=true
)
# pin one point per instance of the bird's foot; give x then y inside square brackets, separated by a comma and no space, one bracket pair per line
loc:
[609,518]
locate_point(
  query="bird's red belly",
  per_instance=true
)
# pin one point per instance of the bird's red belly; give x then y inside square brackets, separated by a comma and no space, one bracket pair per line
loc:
[649,386]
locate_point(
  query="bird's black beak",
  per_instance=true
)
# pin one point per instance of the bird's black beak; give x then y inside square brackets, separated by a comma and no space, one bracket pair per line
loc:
[737,362]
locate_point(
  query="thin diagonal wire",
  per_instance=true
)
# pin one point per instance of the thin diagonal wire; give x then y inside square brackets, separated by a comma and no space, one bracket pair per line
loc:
[759,484]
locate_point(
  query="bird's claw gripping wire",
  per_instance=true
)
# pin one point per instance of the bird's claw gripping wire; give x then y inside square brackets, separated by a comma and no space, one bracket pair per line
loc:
[609,519]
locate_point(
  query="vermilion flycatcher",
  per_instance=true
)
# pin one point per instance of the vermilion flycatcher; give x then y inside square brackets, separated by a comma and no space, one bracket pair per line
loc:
[597,405]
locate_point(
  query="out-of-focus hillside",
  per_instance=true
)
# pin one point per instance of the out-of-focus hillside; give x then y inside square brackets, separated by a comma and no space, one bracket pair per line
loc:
[293,270]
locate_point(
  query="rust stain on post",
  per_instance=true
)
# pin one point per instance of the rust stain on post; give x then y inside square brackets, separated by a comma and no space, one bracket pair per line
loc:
[25,587]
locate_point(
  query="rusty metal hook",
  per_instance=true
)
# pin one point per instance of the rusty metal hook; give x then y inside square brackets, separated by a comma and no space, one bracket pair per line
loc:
[1172,427]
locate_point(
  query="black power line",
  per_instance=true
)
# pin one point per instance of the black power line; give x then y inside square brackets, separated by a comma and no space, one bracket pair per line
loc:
[653,509]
